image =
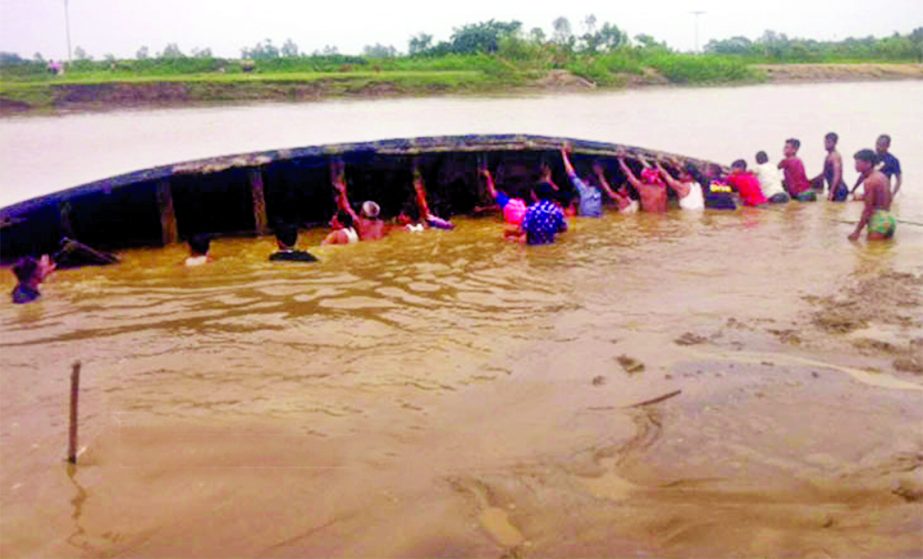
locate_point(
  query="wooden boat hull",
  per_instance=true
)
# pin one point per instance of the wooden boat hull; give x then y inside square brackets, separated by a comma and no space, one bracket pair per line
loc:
[248,193]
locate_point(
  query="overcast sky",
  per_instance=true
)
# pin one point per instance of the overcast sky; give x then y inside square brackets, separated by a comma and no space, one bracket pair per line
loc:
[121,26]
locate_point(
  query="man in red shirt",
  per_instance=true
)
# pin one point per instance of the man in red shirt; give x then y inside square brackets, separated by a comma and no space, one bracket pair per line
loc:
[796,180]
[746,184]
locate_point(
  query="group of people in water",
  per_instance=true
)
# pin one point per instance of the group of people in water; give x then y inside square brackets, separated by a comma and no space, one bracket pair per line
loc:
[537,216]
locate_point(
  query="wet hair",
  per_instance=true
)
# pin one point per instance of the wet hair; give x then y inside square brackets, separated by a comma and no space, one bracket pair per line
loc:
[543,191]
[287,234]
[761,157]
[739,164]
[794,142]
[199,244]
[832,136]
[25,269]
[886,139]
[345,219]
[714,169]
[866,155]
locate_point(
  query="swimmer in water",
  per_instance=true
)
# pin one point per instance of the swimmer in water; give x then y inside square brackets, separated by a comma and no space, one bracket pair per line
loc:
[30,273]
[343,231]
[286,239]
[198,251]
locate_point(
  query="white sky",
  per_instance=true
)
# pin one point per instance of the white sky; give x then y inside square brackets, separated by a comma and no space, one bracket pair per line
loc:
[121,26]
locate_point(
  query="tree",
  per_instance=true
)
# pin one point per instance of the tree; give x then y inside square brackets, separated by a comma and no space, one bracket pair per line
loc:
[562,32]
[37,57]
[611,37]
[645,41]
[264,50]
[537,35]
[171,51]
[202,53]
[419,44]
[379,51]
[734,45]
[482,37]
[81,54]
[289,49]
[142,54]
[10,58]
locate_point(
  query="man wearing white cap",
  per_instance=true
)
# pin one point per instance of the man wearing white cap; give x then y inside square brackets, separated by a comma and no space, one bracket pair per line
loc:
[369,225]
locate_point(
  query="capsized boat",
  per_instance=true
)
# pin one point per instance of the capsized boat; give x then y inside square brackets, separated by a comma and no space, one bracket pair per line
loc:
[246,194]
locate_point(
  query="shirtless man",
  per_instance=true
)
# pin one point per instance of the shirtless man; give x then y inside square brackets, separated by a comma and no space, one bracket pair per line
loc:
[833,171]
[650,188]
[877,211]
[369,225]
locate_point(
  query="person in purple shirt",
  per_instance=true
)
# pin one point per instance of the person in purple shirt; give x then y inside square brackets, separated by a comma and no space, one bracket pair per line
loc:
[543,219]
[889,165]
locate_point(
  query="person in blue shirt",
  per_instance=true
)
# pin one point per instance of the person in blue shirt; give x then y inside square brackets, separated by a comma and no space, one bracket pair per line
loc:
[890,165]
[591,198]
[544,219]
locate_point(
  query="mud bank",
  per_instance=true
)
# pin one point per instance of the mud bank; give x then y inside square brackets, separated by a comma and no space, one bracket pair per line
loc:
[176,93]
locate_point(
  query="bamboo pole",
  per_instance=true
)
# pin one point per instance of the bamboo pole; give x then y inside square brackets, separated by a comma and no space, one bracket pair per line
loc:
[168,228]
[260,218]
[75,396]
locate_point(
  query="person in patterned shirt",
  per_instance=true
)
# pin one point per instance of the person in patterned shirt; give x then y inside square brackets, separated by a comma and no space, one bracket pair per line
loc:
[543,219]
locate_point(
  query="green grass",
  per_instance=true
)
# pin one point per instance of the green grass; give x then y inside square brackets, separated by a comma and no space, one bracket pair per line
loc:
[210,79]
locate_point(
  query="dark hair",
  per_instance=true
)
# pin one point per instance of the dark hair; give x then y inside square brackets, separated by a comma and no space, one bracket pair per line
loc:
[411,210]
[832,136]
[25,269]
[287,234]
[739,164]
[199,244]
[345,219]
[885,138]
[715,168]
[543,191]
[761,157]
[866,155]
[795,142]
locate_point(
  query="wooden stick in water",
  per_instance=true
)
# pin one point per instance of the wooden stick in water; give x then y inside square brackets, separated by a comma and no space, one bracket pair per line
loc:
[75,394]
[656,400]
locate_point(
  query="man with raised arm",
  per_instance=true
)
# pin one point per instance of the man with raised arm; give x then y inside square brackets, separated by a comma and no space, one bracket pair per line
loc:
[591,198]
[688,192]
[369,225]
[625,204]
[651,189]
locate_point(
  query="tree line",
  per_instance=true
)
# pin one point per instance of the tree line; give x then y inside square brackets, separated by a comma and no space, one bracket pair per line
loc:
[510,40]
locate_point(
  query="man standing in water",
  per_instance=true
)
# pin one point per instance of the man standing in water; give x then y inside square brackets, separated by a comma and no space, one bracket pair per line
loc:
[650,187]
[688,192]
[891,167]
[543,219]
[833,171]
[286,239]
[591,199]
[877,211]
[368,225]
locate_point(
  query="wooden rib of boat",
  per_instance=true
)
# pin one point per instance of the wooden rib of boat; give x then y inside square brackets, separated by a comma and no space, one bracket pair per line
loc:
[248,193]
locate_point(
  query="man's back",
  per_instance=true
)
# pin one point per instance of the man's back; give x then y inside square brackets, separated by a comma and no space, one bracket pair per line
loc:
[653,197]
[370,229]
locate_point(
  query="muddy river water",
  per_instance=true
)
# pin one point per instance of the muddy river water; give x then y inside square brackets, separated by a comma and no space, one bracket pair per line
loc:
[451,395]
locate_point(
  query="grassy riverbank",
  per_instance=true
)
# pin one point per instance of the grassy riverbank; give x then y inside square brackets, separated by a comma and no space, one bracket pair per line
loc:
[94,85]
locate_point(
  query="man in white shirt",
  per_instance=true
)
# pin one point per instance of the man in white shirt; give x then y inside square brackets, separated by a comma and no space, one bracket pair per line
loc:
[770,181]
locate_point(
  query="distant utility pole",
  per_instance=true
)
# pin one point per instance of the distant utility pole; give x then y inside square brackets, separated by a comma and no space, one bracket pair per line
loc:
[697,13]
[67,26]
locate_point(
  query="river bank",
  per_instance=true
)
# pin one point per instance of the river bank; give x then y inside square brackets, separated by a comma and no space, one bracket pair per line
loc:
[113,93]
